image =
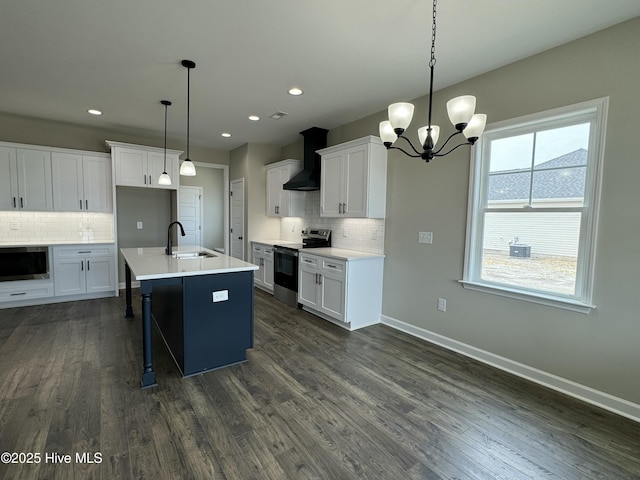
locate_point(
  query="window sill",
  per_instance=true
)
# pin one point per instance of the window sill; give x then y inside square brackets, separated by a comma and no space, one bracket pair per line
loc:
[551,301]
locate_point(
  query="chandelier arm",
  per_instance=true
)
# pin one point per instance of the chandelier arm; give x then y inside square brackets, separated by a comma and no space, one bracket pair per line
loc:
[438,154]
[447,141]
[410,144]
[405,152]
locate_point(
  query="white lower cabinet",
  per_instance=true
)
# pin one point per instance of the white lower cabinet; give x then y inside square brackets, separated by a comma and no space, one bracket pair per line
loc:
[347,292]
[262,256]
[84,269]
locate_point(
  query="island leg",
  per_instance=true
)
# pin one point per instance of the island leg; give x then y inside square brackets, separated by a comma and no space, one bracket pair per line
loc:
[148,374]
[127,274]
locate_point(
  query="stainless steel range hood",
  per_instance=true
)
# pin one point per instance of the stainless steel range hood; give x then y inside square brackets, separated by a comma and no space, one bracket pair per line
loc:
[308,179]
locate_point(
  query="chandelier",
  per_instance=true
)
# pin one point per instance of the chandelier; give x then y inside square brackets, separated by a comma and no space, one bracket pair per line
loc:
[461,114]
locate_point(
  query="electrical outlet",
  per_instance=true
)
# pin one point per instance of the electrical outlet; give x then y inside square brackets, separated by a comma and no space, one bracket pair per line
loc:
[442,304]
[139,225]
[425,237]
[374,234]
[345,231]
[220,296]
[13,226]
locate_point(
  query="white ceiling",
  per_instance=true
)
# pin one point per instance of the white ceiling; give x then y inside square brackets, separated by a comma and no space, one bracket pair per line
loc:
[351,57]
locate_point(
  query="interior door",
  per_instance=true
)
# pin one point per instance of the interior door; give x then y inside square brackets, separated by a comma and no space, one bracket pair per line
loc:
[190,215]
[237,218]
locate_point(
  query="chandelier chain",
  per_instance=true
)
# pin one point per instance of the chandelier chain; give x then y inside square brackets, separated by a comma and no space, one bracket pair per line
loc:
[432,61]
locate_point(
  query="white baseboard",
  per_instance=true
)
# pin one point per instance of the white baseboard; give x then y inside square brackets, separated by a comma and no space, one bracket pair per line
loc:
[134,284]
[568,387]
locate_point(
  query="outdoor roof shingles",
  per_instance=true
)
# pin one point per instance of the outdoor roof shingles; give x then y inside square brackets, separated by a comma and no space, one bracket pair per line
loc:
[561,177]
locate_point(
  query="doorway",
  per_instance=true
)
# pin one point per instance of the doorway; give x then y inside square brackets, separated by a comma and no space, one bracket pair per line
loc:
[190,215]
[237,218]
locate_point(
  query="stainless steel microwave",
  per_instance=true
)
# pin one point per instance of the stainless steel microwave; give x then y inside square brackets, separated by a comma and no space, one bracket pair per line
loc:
[24,263]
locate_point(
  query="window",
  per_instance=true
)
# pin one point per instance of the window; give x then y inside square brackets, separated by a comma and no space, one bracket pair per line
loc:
[533,206]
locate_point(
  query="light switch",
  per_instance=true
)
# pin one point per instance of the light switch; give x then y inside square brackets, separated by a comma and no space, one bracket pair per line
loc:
[139,225]
[425,237]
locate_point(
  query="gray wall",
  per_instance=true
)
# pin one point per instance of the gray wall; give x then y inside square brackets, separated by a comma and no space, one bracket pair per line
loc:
[147,205]
[599,350]
[212,182]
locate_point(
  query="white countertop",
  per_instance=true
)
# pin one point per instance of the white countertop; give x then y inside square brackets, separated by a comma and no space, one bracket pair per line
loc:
[277,242]
[151,263]
[341,253]
[46,243]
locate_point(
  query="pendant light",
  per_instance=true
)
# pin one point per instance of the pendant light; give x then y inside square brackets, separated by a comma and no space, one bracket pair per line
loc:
[165,179]
[188,169]
[460,110]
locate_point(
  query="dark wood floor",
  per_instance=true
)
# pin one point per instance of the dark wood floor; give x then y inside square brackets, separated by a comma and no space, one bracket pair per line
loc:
[313,402]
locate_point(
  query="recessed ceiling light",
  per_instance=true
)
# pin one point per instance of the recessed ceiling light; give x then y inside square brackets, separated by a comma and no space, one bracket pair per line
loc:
[225,135]
[295,91]
[254,118]
[93,111]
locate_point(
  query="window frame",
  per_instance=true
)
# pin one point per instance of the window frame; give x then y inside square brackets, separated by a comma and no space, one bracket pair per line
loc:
[596,111]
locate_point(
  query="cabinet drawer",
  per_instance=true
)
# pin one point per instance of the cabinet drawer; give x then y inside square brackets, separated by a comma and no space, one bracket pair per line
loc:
[258,249]
[83,251]
[268,251]
[309,260]
[333,265]
[23,292]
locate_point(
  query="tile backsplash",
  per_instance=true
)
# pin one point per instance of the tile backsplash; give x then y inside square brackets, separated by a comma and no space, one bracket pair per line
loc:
[360,234]
[47,228]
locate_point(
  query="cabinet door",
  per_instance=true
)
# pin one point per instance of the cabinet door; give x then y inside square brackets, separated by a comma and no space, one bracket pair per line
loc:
[69,276]
[34,180]
[268,272]
[258,275]
[131,167]
[331,178]
[308,286]
[332,295]
[155,167]
[100,274]
[96,178]
[274,189]
[356,173]
[68,190]
[8,179]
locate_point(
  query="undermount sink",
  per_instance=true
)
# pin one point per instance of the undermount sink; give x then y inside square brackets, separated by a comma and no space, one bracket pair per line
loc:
[200,254]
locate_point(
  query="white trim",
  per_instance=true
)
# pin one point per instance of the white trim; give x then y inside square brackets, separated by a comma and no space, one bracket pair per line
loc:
[510,292]
[590,395]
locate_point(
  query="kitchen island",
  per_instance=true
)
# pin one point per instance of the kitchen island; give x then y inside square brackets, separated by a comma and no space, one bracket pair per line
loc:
[202,306]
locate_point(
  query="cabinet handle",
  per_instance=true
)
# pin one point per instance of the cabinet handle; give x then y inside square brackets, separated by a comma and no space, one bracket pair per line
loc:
[319,279]
[86,204]
[16,294]
[316,278]
[80,204]
[14,202]
[82,265]
[344,208]
[145,179]
[331,266]
[21,202]
[84,251]
[88,265]
[339,208]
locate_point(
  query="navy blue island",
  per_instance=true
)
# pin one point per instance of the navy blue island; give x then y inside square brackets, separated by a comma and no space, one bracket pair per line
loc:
[201,302]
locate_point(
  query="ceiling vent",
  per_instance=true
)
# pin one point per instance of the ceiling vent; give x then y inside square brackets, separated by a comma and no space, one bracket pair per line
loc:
[278,115]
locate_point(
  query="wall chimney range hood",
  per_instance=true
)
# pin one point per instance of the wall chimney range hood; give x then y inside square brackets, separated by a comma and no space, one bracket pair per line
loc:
[308,179]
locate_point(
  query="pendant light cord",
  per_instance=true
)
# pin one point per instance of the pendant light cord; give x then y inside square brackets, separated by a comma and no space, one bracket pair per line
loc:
[165,137]
[188,106]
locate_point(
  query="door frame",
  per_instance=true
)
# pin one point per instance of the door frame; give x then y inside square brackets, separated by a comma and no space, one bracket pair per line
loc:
[239,181]
[225,194]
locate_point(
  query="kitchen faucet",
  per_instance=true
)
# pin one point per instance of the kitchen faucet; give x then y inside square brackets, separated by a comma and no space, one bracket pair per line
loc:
[168,249]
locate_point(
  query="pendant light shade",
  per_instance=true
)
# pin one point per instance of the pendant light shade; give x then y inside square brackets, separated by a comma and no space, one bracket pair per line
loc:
[400,115]
[460,109]
[187,168]
[165,179]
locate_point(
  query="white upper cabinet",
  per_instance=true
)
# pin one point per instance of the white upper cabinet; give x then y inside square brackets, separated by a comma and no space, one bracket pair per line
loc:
[280,202]
[353,181]
[25,182]
[81,183]
[140,166]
